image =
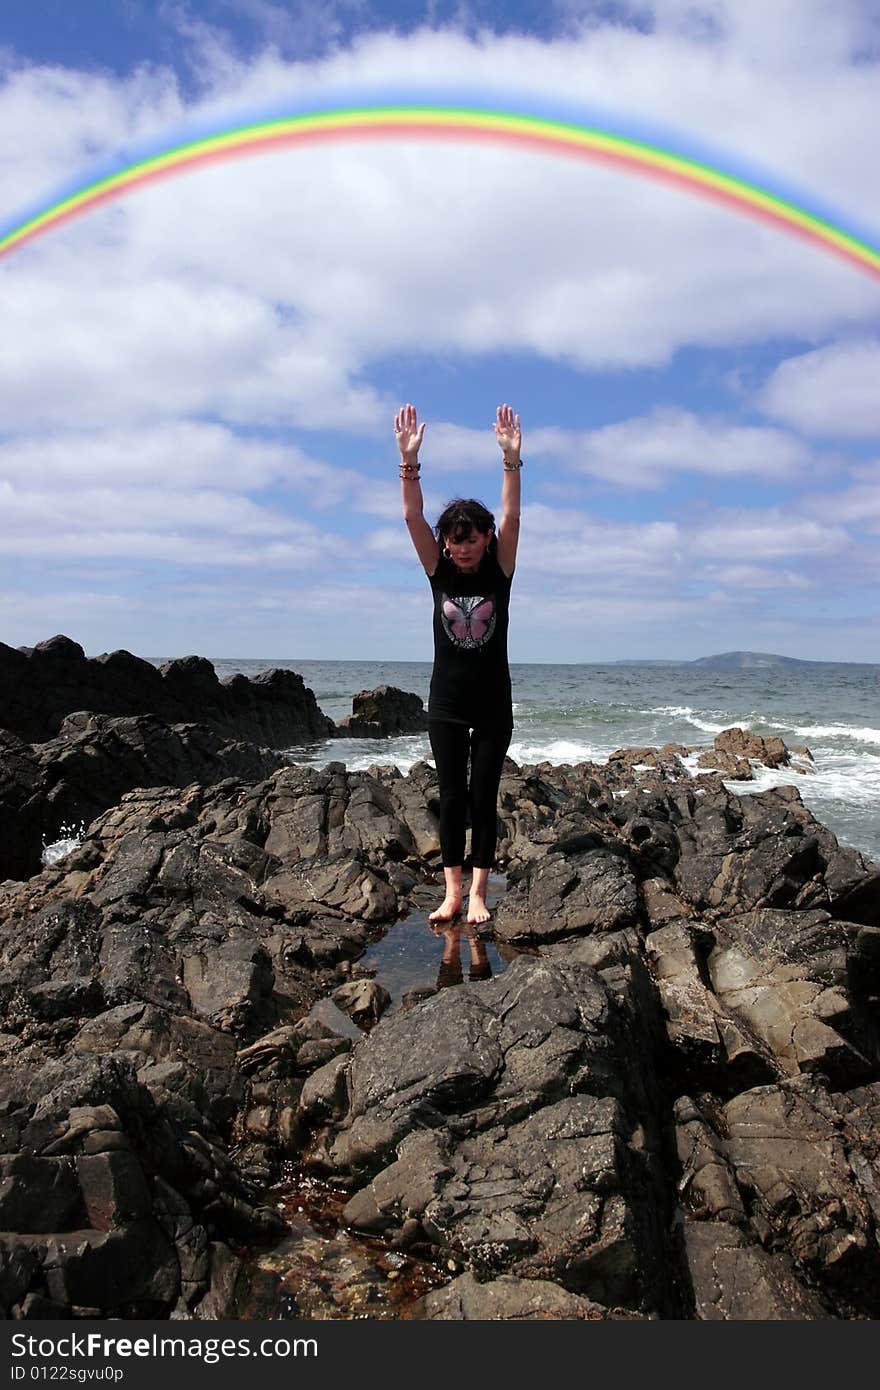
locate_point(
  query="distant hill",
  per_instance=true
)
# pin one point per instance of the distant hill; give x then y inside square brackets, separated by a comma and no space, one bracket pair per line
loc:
[743,661]
[753,661]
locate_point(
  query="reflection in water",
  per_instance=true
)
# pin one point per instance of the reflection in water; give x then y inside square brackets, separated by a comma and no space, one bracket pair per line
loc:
[451,971]
[405,960]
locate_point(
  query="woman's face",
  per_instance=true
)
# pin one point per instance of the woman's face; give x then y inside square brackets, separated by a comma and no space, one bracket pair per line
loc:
[466,554]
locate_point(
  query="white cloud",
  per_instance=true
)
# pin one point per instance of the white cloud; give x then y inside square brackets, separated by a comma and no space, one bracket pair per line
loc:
[199,527]
[772,534]
[568,542]
[109,343]
[645,452]
[756,577]
[831,391]
[185,455]
[858,505]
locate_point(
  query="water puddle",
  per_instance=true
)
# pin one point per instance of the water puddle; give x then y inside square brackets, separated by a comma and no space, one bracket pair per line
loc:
[416,956]
[320,1271]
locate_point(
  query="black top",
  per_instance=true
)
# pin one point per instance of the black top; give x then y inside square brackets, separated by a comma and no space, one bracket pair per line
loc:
[470,683]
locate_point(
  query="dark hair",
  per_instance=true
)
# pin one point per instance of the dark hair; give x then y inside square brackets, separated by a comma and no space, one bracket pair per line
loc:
[461,516]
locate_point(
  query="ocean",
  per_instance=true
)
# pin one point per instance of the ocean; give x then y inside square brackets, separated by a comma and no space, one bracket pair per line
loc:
[579,713]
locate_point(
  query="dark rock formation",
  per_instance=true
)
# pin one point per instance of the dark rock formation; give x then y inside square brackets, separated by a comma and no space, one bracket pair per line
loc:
[39,686]
[157,954]
[734,752]
[502,1121]
[383,712]
[21,808]
[93,761]
[667,1106]
[111,1202]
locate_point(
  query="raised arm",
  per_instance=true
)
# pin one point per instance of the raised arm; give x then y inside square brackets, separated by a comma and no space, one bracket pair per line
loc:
[409,434]
[509,436]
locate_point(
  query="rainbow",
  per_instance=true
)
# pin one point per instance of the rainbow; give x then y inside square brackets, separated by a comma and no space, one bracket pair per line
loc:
[412,120]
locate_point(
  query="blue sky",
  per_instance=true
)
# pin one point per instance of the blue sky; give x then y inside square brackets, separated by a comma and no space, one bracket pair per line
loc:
[198,383]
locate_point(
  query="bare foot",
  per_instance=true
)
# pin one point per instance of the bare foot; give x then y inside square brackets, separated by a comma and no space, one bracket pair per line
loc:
[477,910]
[448,909]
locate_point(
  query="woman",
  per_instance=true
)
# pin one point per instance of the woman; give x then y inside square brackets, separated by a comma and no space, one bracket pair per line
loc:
[470,712]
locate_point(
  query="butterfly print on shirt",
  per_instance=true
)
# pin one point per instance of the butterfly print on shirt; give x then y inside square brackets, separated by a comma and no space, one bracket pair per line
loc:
[469,621]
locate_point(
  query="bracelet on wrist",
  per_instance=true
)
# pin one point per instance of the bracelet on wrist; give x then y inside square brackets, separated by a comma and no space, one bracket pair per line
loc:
[512,466]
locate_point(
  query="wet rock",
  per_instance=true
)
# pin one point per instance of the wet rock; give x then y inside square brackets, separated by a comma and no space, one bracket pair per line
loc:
[344,884]
[362,1000]
[228,1289]
[666,759]
[416,995]
[543,1197]
[384,712]
[579,889]
[507,1298]
[416,1071]
[275,1052]
[134,1270]
[21,806]
[113,1188]
[40,685]
[734,1279]
[769,752]
[310,816]
[416,802]
[189,1237]
[275,709]
[325,1094]
[189,1064]
[766,850]
[727,763]
[39,1194]
[95,758]
[784,974]
[49,965]
[736,751]
[402,1191]
[808,1163]
[496,1158]
[18,1268]
[320,1051]
[230,986]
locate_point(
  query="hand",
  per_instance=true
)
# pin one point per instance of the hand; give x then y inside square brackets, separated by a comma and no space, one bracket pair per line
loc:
[408,433]
[508,432]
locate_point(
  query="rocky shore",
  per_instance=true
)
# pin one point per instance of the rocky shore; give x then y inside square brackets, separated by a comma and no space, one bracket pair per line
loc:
[666,1106]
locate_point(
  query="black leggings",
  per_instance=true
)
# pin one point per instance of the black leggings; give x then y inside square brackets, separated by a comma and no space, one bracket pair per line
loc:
[452,745]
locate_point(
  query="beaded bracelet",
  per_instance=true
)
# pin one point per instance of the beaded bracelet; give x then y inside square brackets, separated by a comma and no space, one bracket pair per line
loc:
[512,467]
